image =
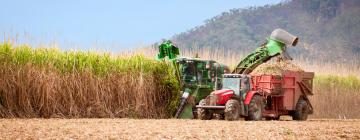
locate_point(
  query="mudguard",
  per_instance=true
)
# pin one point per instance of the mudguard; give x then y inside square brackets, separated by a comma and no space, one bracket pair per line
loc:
[249,96]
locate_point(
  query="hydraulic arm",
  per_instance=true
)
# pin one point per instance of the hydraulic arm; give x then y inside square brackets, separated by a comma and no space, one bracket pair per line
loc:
[276,45]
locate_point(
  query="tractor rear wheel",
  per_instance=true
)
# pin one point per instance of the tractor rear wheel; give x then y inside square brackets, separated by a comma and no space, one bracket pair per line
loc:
[301,110]
[232,109]
[203,113]
[255,108]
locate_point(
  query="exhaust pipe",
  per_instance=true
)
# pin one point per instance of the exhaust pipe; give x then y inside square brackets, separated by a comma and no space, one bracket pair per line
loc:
[284,37]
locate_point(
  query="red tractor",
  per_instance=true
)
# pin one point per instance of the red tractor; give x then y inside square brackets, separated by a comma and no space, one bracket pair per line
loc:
[260,96]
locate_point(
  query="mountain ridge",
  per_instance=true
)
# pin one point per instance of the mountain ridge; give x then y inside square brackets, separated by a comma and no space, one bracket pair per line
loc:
[329,30]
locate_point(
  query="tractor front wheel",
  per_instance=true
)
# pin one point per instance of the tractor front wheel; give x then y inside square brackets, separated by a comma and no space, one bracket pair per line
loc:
[255,108]
[232,109]
[203,113]
[301,111]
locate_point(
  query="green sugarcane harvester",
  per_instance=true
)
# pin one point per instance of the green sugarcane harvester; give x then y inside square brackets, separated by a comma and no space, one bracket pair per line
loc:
[198,78]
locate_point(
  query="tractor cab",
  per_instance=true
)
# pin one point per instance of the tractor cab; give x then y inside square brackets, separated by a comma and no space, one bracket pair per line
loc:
[238,83]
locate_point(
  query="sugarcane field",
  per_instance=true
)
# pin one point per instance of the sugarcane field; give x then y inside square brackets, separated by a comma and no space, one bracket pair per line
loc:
[165,70]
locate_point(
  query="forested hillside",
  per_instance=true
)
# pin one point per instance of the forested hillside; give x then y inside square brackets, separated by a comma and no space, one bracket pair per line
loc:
[329,30]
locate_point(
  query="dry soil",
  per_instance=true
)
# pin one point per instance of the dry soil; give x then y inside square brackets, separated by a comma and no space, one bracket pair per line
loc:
[176,129]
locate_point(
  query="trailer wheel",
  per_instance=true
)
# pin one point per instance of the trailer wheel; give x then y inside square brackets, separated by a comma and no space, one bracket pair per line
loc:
[203,113]
[232,110]
[255,108]
[301,111]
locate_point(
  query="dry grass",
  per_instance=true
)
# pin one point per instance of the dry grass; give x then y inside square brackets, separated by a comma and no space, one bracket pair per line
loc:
[122,85]
[49,83]
[336,97]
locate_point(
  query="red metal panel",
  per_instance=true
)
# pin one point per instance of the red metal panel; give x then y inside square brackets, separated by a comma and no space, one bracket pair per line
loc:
[288,101]
[268,84]
[223,95]
[265,78]
[289,81]
[291,89]
[248,97]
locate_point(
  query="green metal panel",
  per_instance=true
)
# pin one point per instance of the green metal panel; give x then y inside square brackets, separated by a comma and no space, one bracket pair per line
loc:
[168,49]
[274,47]
[187,113]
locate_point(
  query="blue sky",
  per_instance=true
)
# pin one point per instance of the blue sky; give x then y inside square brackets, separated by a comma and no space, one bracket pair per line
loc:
[114,24]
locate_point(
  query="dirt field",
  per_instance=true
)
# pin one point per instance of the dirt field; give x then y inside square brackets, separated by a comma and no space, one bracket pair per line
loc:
[176,129]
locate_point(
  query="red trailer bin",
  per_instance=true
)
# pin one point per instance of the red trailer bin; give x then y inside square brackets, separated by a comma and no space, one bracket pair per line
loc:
[282,92]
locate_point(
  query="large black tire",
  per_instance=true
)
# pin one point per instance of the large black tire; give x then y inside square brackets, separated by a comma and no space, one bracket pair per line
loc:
[301,111]
[255,108]
[232,110]
[203,113]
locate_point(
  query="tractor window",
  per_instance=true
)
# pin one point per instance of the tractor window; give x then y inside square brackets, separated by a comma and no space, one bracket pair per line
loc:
[245,86]
[233,84]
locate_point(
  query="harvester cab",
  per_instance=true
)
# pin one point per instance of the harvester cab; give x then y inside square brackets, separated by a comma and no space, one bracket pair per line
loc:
[194,72]
[197,78]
